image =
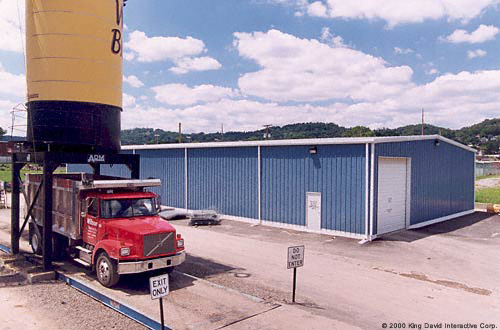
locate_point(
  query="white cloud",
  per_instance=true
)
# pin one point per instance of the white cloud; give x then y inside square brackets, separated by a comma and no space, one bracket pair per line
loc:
[12,85]
[129,101]
[128,56]
[180,94]
[6,117]
[403,51]
[455,99]
[234,114]
[482,34]
[476,53]
[188,64]
[153,49]
[329,38]
[183,52]
[431,71]
[133,81]
[451,100]
[317,9]
[294,69]
[395,12]
[12,18]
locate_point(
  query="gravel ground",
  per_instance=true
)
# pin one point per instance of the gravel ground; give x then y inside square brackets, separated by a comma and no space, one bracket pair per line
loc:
[55,305]
[487,183]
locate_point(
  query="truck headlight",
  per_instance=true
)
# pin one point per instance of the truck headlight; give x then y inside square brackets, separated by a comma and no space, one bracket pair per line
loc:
[180,243]
[124,251]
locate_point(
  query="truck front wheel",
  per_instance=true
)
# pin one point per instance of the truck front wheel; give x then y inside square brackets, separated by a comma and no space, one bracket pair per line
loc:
[35,239]
[106,269]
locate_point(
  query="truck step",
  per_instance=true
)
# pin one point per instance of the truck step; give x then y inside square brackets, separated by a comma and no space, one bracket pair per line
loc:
[81,248]
[82,262]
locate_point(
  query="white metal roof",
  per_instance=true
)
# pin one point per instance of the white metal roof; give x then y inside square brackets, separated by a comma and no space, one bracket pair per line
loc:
[297,142]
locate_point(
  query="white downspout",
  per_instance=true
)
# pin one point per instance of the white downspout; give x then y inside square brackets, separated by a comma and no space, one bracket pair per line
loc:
[186,179]
[367,192]
[259,178]
[372,190]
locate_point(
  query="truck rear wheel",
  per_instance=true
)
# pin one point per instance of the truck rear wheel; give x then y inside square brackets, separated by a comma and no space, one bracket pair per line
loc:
[106,270]
[35,239]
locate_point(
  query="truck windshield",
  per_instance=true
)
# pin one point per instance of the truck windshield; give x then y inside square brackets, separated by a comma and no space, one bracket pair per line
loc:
[126,208]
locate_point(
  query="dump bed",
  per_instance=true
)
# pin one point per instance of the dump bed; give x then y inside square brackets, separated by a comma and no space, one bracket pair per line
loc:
[68,191]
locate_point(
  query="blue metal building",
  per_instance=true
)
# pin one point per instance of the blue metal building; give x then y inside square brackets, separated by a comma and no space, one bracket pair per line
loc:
[354,187]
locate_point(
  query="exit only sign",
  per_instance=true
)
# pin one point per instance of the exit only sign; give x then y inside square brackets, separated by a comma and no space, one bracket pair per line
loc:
[295,256]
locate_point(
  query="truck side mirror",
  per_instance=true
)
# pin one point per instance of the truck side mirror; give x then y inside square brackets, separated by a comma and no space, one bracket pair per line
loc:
[158,203]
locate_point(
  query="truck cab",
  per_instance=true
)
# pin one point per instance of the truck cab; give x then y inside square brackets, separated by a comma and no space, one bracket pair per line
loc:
[126,227]
[112,226]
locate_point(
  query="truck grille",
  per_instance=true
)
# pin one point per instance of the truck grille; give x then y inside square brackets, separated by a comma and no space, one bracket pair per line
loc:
[159,244]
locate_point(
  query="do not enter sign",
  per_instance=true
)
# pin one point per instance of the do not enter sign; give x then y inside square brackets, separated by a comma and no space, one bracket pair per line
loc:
[295,256]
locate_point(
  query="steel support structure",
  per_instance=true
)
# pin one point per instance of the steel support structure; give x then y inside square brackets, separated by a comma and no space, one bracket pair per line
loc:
[50,161]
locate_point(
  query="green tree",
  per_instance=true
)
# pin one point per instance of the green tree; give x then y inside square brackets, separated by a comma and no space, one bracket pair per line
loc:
[359,131]
[2,132]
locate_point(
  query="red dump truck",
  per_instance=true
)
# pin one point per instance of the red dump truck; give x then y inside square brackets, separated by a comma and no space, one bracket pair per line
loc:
[109,224]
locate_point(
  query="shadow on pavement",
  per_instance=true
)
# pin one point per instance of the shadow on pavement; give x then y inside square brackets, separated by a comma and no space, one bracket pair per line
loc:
[460,226]
[138,284]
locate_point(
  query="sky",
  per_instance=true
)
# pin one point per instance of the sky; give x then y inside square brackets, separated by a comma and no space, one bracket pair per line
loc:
[248,63]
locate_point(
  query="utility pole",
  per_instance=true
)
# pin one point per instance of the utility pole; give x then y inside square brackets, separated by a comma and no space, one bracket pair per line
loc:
[268,132]
[422,121]
[180,133]
[222,132]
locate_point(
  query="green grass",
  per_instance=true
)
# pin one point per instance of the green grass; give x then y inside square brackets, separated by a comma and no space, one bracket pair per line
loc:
[6,172]
[488,195]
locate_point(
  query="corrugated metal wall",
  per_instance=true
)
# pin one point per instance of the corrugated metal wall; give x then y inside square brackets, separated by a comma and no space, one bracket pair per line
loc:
[225,179]
[442,178]
[167,165]
[336,171]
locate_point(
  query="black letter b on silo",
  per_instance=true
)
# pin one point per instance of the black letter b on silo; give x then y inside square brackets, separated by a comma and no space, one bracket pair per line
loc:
[116,45]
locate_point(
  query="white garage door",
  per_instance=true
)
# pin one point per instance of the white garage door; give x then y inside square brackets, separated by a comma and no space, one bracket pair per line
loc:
[392,185]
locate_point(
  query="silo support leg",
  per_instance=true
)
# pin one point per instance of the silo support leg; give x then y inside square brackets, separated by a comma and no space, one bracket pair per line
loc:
[15,200]
[97,169]
[48,176]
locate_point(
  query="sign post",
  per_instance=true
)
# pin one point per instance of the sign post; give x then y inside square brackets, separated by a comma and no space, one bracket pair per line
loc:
[295,259]
[159,288]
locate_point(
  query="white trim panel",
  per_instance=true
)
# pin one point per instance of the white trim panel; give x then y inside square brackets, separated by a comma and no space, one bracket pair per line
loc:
[408,192]
[448,217]
[294,227]
[289,226]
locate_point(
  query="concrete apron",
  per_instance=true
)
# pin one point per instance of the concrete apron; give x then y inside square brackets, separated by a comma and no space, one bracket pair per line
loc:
[198,305]
[192,304]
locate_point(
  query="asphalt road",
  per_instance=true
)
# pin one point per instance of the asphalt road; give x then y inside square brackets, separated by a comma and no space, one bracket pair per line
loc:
[442,273]
[447,272]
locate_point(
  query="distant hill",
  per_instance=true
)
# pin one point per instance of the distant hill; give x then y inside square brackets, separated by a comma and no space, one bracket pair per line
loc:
[6,138]
[484,135]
